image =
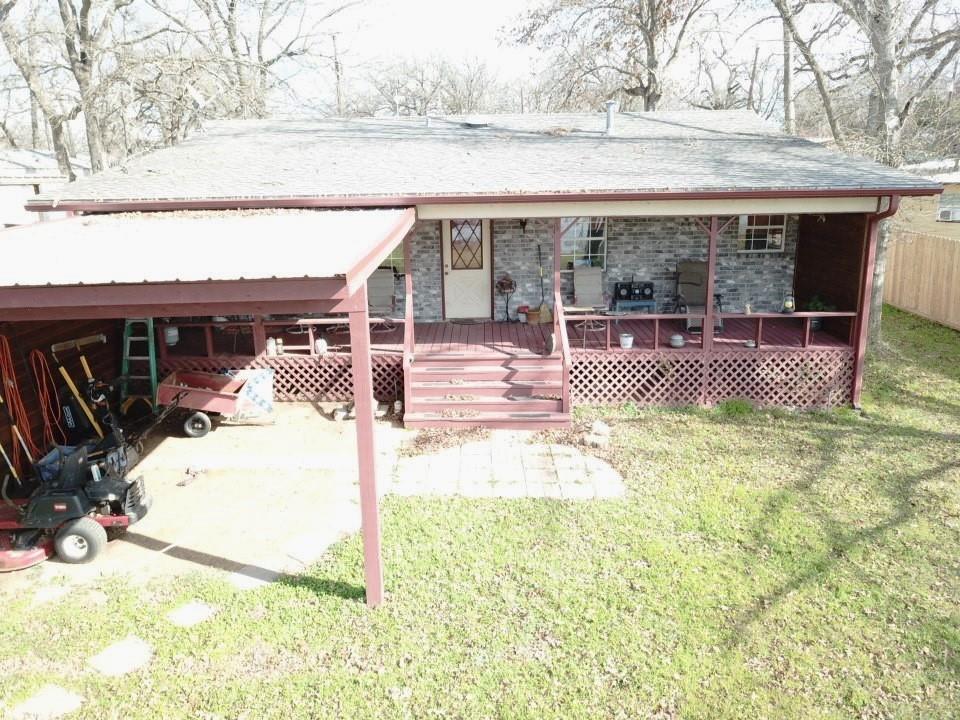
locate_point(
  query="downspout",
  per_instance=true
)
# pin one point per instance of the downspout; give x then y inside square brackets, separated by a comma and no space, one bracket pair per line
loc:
[866,290]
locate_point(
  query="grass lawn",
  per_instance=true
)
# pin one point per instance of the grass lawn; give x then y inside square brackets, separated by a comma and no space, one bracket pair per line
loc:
[763,564]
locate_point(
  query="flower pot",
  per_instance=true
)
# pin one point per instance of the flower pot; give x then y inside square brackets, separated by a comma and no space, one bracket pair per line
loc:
[626,341]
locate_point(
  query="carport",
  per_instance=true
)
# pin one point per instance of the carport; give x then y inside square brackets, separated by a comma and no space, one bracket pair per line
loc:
[178,264]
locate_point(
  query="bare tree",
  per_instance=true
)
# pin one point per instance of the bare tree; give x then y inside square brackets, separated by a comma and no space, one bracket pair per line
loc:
[245,43]
[623,45]
[907,47]
[421,87]
[22,40]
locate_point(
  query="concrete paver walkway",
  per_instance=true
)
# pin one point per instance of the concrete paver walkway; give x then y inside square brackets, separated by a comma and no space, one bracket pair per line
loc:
[507,465]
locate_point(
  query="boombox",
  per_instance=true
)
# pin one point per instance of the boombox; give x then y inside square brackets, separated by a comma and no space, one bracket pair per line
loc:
[633,290]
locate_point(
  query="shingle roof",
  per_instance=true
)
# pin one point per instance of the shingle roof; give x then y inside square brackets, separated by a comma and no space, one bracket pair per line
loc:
[666,152]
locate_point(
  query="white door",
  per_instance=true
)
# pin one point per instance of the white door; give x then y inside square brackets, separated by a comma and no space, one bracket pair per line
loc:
[467,284]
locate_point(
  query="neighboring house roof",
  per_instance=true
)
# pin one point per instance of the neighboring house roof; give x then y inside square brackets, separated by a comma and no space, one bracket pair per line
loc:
[406,160]
[943,170]
[26,166]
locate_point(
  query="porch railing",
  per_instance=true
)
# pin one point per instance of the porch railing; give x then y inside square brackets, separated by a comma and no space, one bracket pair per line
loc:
[560,331]
[806,317]
[258,330]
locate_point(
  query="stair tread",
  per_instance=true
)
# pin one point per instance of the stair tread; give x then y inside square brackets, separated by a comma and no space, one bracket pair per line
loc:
[489,415]
[478,384]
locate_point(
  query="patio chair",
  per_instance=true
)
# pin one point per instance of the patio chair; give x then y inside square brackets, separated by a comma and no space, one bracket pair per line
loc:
[588,298]
[382,299]
[692,295]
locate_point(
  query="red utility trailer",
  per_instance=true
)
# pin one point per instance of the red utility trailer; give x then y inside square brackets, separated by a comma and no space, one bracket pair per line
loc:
[206,394]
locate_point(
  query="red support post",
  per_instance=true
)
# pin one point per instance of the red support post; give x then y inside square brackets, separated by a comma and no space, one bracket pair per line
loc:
[708,321]
[208,339]
[259,336]
[366,452]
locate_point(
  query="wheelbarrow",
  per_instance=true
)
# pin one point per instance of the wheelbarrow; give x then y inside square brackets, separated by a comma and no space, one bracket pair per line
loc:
[204,396]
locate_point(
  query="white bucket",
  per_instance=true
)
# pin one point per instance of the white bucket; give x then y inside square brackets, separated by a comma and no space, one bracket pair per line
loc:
[626,341]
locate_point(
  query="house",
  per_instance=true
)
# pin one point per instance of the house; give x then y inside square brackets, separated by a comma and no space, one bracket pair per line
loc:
[261,230]
[25,172]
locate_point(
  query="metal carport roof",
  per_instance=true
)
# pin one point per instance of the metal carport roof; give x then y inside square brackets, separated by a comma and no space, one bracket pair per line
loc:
[190,263]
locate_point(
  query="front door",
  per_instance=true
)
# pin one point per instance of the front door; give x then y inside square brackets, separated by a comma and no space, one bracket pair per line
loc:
[467,283]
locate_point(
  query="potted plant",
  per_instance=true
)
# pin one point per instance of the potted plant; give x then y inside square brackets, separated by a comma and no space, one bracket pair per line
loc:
[818,304]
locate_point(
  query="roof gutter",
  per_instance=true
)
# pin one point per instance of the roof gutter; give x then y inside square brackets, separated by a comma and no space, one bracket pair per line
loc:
[373,201]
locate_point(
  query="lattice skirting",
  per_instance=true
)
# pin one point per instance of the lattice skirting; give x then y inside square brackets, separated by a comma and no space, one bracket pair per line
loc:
[801,378]
[300,378]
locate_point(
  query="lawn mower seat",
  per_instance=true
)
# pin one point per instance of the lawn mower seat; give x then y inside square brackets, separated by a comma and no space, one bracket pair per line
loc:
[71,470]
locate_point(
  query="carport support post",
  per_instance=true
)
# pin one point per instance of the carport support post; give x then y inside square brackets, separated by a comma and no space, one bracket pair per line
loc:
[366,454]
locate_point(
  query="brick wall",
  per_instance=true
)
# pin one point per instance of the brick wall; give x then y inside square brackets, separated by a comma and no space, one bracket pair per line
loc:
[425,257]
[644,248]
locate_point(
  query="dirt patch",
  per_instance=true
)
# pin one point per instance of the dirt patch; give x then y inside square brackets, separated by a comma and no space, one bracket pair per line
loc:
[244,499]
[432,440]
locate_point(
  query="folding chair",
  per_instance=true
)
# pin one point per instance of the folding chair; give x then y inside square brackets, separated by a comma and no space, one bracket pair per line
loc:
[692,295]
[382,299]
[588,298]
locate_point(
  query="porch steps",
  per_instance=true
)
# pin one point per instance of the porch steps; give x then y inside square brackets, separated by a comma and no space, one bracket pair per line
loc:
[489,388]
[475,390]
[506,420]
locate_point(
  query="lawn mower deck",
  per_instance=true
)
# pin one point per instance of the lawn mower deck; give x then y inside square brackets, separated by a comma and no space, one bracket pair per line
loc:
[69,513]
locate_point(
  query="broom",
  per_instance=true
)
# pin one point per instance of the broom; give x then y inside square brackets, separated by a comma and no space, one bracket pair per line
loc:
[546,316]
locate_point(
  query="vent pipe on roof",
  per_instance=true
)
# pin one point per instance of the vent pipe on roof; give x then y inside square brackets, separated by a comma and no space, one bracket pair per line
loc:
[611,113]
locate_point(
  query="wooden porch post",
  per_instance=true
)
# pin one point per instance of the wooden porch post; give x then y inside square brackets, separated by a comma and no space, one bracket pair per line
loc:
[557,238]
[259,336]
[409,339]
[866,292]
[366,453]
[712,236]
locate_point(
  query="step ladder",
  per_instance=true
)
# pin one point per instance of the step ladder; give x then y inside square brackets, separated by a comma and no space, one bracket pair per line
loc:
[139,368]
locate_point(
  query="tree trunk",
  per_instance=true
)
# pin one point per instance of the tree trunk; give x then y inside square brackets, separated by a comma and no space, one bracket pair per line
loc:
[789,108]
[94,138]
[884,238]
[883,36]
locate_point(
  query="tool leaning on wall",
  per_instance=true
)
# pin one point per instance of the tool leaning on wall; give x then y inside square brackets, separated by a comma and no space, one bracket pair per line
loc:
[74,493]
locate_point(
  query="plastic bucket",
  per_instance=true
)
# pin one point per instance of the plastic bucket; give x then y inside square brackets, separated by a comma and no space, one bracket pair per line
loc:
[626,341]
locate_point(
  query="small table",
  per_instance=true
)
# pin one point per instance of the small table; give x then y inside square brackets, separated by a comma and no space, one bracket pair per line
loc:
[649,306]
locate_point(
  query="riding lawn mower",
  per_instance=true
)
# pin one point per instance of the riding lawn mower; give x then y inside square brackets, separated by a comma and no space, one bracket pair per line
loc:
[81,495]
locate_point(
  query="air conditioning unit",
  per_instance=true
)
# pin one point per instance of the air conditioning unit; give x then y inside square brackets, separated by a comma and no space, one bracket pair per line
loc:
[949,215]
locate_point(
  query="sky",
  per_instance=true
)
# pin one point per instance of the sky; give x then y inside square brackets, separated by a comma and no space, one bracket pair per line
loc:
[454,29]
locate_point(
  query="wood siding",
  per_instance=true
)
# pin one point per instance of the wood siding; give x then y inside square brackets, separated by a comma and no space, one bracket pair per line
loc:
[829,258]
[27,336]
[923,277]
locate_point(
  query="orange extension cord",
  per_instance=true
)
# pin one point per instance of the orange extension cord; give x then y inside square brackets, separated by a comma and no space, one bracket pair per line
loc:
[14,403]
[53,432]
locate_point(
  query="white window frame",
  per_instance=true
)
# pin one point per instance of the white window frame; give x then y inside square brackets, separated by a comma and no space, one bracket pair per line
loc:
[745,227]
[581,221]
[391,260]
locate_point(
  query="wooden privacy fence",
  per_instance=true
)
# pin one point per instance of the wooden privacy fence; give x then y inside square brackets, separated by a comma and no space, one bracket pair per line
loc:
[923,276]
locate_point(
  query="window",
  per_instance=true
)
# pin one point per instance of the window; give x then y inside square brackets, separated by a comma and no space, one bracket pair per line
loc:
[466,245]
[394,260]
[762,233]
[584,244]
